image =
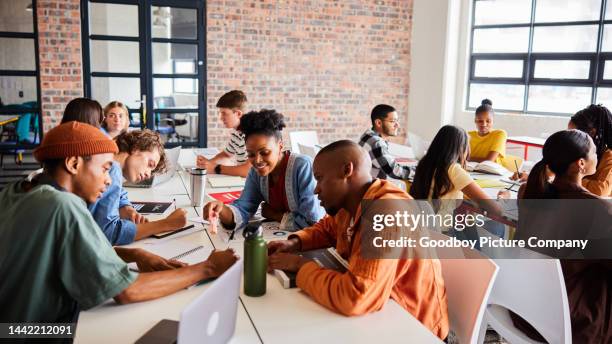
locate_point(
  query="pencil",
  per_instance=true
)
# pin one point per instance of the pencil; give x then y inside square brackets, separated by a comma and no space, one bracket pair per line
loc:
[516,165]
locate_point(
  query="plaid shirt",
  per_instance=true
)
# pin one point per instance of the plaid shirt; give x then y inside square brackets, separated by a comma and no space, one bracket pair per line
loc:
[383,163]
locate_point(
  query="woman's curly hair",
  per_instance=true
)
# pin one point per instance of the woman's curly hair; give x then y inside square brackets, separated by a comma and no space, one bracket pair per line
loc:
[146,141]
[265,122]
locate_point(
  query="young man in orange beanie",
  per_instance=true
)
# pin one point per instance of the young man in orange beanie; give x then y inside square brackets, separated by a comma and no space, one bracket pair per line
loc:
[54,259]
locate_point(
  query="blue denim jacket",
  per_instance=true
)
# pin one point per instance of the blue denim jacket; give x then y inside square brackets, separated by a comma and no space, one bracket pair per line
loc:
[304,206]
[106,210]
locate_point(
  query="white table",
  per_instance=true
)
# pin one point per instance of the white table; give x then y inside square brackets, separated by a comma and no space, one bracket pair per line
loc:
[280,316]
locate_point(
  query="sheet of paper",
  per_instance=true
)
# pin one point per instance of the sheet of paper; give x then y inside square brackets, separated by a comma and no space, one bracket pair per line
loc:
[208,153]
[154,241]
[198,220]
[220,181]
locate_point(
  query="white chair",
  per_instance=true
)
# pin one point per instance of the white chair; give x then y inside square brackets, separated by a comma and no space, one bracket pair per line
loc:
[535,290]
[308,150]
[418,144]
[468,284]
[400,151]
[307,138]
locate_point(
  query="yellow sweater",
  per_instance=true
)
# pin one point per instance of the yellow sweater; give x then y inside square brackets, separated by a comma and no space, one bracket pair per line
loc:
[494,141]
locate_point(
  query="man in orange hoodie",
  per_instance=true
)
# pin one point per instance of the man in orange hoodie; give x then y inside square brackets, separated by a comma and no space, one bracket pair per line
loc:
[342,171]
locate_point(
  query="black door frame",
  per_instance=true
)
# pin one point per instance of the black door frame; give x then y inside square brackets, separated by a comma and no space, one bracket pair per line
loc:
[146,74]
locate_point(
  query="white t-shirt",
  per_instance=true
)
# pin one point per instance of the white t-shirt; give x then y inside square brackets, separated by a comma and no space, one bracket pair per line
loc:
[237,147]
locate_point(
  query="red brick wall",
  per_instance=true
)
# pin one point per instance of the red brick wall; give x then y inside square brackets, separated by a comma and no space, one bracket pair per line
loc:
[324,64]
[59,41]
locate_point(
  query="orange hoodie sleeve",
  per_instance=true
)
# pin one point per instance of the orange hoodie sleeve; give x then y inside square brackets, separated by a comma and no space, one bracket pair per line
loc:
[364,288]
[321,234]
[600,183]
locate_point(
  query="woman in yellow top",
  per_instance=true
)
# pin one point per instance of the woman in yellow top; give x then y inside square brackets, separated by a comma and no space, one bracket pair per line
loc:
[487,143]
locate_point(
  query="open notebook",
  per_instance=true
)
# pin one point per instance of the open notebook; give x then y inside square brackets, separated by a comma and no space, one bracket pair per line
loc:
[185,252]
[488,167]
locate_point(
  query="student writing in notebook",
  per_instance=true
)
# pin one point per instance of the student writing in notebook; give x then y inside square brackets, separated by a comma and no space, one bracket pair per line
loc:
[141,155]
[231,107]
[486,143]
[89,111]
[440,177]
[282,180]
[342,171]
[54,260]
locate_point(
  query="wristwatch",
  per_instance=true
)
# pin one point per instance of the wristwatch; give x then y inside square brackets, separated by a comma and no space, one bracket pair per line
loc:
[218,169]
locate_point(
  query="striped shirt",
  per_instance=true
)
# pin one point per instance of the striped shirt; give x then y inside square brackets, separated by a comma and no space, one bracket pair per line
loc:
[236,147]
[383,163]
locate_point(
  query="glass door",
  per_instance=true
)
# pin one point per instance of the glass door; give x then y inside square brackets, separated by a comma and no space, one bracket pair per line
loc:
[149,54]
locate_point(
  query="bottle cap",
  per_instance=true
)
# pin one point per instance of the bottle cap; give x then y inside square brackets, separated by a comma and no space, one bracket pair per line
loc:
[198,171]
[252,231]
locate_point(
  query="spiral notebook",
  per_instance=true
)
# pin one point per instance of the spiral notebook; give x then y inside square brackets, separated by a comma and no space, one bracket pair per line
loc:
[177,250]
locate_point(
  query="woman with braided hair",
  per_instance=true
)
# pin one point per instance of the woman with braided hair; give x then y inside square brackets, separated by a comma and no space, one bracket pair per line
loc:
[596,120]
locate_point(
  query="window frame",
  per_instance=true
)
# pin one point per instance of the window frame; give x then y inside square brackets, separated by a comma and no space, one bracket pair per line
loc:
[27,73]
[597,60]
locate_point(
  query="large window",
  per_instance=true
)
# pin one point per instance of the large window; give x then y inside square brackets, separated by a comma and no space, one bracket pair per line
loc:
[541,56]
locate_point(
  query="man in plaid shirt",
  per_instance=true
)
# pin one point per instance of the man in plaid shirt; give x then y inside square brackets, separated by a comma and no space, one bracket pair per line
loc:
[385,124]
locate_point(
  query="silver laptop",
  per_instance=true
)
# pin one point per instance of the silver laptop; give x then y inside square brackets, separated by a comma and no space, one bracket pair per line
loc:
[419,146]
[210,318]
[173,157]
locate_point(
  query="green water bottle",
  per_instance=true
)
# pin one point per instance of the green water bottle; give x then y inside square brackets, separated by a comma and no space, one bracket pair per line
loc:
[255,260]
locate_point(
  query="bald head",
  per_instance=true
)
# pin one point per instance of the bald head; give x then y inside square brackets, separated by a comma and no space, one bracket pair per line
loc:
[341,169]
[339,153]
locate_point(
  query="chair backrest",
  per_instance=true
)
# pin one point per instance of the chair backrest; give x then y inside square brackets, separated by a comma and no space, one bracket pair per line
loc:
[509,162]
[468,284]
[535,290]
[306,138]
[308,150]
[418,144]
[164,102]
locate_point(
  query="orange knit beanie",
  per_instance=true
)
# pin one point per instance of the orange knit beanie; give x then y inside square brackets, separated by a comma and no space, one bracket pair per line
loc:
[73,139]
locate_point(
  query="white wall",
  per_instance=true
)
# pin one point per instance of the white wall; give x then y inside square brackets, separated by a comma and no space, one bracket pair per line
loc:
[428,108]
[439,74]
